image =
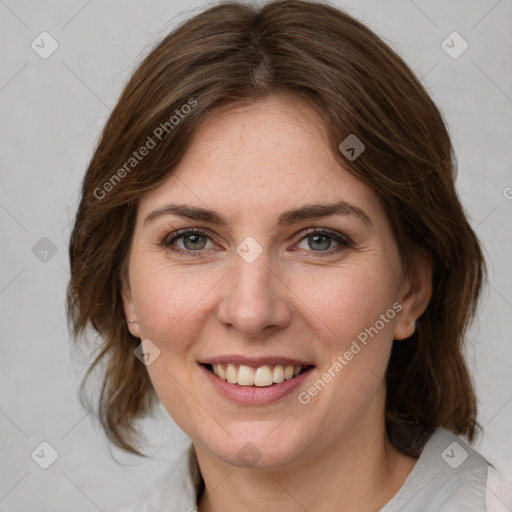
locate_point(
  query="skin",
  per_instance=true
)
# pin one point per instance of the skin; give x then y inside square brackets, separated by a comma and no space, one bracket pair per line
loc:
[298,299]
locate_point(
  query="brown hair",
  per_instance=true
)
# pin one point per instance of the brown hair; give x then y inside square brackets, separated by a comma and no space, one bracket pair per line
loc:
[234,53]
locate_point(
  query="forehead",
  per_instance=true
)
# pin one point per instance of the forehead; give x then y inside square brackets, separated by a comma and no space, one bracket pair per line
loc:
[263,157]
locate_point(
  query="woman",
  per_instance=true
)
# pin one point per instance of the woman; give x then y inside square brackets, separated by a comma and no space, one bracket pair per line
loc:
[269,241]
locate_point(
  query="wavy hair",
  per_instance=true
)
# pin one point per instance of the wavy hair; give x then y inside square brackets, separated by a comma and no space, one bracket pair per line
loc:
[233,53]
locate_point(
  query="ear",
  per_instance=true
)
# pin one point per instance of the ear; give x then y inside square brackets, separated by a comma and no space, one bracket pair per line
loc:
[128,305]
[415,295]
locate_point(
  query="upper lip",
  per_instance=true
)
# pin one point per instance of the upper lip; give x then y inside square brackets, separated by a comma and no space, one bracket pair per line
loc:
[255,362]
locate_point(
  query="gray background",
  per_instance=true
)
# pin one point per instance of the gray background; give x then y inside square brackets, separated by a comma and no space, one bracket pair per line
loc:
[51,113]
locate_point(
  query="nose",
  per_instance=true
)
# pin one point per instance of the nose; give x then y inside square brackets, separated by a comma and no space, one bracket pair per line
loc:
[255,300]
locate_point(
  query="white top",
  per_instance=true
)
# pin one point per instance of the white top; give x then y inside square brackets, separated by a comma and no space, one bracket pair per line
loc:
[449,476]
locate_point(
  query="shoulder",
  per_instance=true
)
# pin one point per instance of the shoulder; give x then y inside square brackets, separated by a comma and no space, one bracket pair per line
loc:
[450,475]
[175,491]
[498,492]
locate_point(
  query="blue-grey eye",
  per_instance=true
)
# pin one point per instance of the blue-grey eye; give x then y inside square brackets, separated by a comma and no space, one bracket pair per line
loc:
[320,242]
[190,241]
[194,241]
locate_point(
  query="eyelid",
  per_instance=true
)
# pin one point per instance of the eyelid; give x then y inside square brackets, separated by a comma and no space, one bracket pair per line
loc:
[168,238]
[338,237]
[341,238]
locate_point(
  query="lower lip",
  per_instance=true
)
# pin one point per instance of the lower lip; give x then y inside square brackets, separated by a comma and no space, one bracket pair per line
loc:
[254,395]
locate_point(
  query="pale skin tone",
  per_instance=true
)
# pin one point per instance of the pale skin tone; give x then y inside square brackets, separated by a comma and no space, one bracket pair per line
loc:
[305,296]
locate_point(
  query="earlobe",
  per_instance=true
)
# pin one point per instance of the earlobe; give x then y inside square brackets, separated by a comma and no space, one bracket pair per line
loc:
[415,296]
[129,307]
[404,329]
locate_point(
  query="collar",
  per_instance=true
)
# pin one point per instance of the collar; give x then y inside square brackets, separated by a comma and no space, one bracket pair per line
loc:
[432,478]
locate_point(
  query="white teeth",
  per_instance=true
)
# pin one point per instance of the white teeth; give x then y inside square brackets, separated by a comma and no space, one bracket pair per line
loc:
[245,376]
[231,374]
[278,374]
[262,376]
[288,372]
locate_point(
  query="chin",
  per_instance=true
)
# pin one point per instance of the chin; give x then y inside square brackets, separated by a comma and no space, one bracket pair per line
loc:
[258,447]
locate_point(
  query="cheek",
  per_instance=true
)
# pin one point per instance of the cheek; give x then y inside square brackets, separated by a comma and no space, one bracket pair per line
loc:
[352,316]
[170,313]
[342,304]
[168,301]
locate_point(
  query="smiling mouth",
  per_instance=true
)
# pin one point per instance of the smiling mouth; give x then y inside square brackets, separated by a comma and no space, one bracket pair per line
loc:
[263,376]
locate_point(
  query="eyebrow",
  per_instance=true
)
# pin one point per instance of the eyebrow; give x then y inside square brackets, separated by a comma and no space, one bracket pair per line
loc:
[306,212]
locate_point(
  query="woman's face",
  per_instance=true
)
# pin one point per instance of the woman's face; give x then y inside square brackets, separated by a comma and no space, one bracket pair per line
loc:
[269,279]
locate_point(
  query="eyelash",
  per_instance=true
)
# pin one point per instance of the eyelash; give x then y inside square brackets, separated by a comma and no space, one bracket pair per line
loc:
[343,241]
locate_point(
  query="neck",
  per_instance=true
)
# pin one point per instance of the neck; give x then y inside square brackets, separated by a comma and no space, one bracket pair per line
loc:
[362,473]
